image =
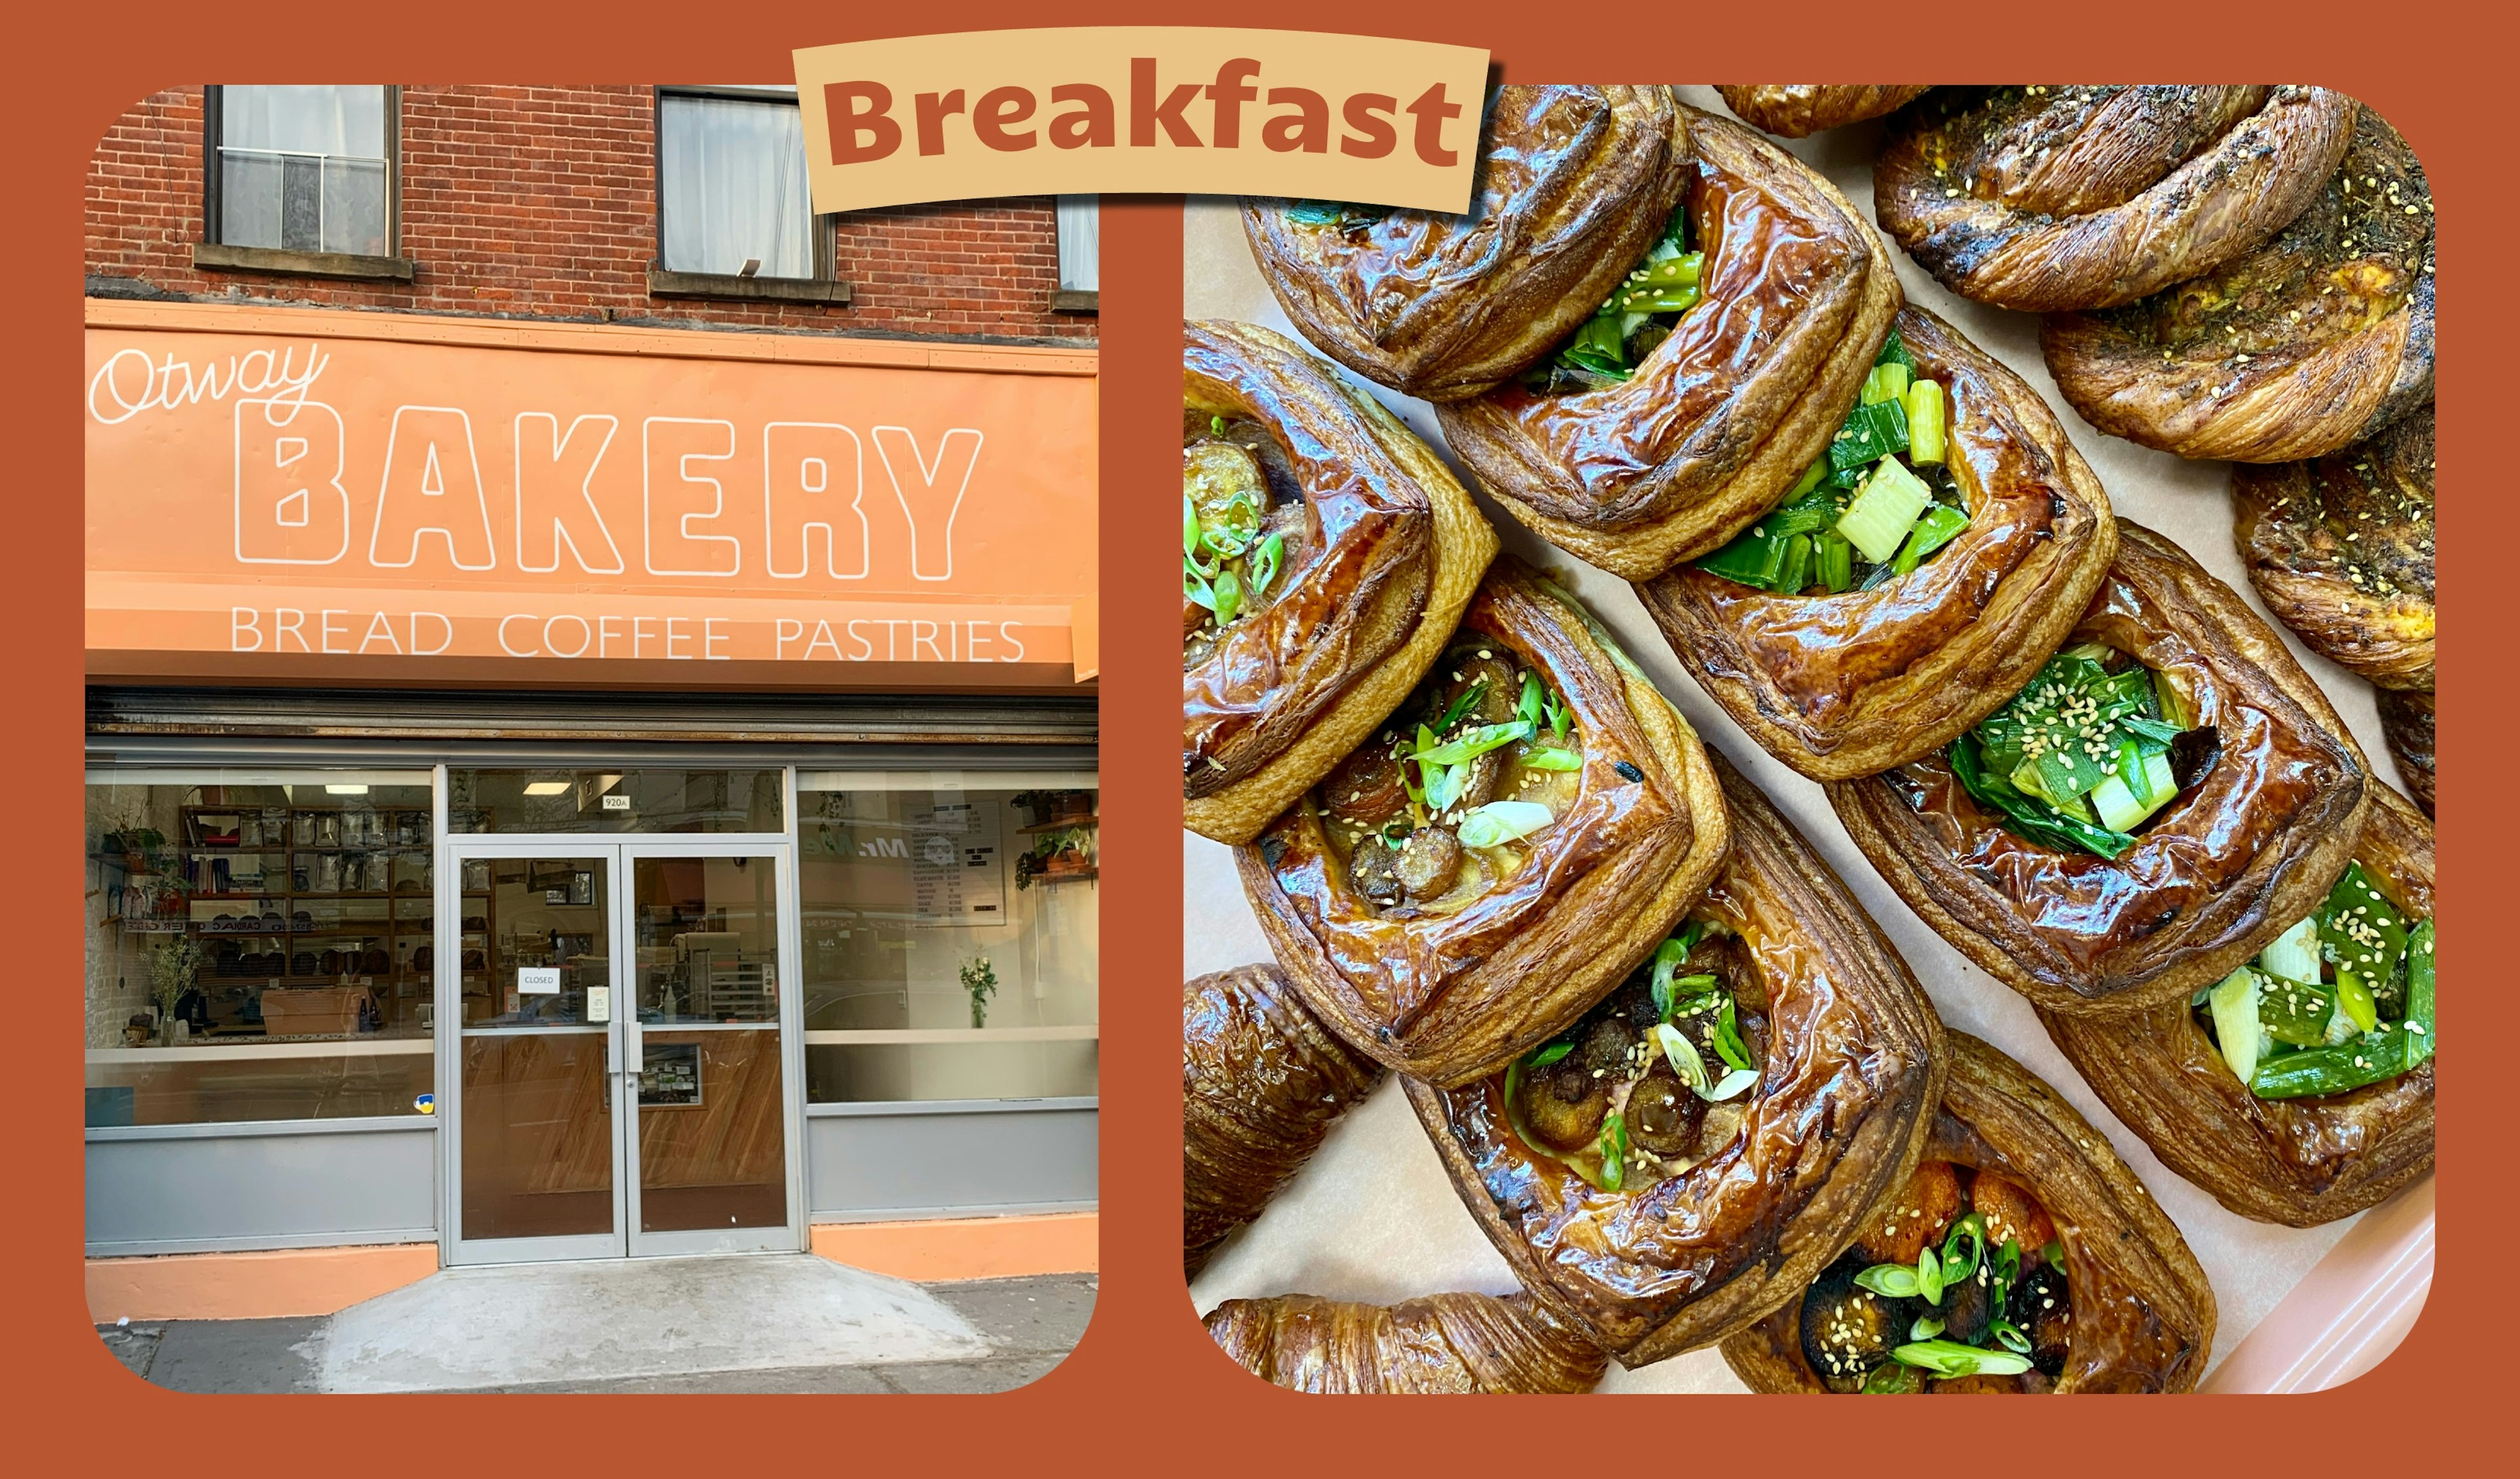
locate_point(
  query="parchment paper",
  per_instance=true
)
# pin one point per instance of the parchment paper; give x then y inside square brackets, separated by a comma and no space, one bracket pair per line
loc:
[1373,1217]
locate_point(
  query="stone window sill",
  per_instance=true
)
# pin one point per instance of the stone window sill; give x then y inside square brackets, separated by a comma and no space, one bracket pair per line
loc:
[719,285]
[1072,300]
[211,256]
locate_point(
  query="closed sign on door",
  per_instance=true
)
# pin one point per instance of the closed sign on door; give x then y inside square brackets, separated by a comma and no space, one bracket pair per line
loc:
[538,981]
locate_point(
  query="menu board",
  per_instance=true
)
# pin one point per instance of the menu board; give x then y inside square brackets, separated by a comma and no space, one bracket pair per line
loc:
[957,865]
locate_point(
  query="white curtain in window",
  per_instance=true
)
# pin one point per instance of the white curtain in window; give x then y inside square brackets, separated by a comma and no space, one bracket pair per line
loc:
[732,178]
[303,168]
[325,120]
[1080,244]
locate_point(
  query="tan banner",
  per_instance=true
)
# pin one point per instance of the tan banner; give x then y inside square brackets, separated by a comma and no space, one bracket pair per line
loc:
[1161,108]
[279,491]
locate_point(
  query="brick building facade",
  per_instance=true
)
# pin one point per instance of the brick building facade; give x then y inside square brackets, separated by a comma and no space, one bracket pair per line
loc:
[543,202]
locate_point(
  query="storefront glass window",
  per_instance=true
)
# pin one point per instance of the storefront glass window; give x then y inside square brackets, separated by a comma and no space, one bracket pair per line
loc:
[258,946]
[950,934]
[615,800]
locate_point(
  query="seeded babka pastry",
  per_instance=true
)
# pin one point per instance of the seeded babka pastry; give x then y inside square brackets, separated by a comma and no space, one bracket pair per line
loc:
[2021,1257]
[1481,870]
[2341,549]
[1799,109]
[1912,580]
[2315,341]
[2407,722]
[2048,198]
[1456,1343]
[1262,1082]
[1574,185]
[2298,1089]
[2169,794]
[1702,1143]
[1702,382]
[1326,555]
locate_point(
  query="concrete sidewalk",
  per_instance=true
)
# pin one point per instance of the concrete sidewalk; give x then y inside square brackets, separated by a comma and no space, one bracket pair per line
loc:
[713,1325]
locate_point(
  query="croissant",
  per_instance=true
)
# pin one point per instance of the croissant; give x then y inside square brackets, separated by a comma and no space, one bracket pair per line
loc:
[2313,341]
[2104,1295]
[1262,1082]
[1875,675]
[2407,723]
[1656,1206]
[1637,447]
[1478,873]
[2301,1159]
[1441,1343]
[2341,549]
[2048,198]
[2259,798]
[1575,183]
[1327,555]
[1799,111]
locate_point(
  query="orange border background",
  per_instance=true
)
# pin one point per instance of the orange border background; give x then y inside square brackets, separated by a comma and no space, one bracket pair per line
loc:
[1145,1388]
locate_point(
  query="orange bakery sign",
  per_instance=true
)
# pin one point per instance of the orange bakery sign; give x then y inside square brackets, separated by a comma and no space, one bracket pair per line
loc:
[276,492]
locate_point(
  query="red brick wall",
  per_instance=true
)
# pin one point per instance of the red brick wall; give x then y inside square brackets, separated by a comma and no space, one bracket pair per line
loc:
[540,201]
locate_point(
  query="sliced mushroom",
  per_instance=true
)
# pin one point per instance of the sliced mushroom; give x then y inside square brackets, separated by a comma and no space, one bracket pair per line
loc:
[2041,1308]
[1374,871]
[1565,1104]
[1847,1329]
[1429,863]
[1366,791]
[1663,1115]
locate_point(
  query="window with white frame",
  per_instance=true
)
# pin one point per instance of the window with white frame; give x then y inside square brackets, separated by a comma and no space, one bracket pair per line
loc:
[950,936]
[731,190]
[303,168]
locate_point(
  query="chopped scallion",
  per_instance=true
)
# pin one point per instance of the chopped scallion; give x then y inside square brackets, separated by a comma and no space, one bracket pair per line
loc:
[1883,511]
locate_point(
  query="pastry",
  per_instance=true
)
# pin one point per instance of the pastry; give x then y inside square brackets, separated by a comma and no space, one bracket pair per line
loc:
[2407,722]
[2315,341]
[2051,1268]
[2341,550]
[1492,861]
[1326,555]
[2165,797]
[1689,400]
[1262,1082]
[1698,1147]
[1800,109]
[1913,578]
[2299,1089]
[2048,198]
[1574,185]
[1441,1343]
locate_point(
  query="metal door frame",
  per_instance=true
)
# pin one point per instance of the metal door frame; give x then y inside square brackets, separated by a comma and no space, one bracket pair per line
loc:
[622,1033]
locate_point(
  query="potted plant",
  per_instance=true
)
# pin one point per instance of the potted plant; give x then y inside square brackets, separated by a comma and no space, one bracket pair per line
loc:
[143,849]
[1061,852]
[980,982]
[1035,806]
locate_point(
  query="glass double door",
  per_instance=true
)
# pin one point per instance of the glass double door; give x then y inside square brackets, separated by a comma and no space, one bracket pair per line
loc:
[615,1042]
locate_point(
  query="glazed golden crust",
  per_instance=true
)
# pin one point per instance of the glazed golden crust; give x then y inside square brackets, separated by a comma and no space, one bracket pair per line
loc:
[1441,1343]
[1575,184]
[2248,850]
[2050,198]
[2407,722]
[2341,548]
[2315,341]
[1853,1068]
[1800,109]
[1261,1084]
[2302,1161]
[1723,416]
[2143,1314]
[1350,628]
[1848,684]
[1453,996]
